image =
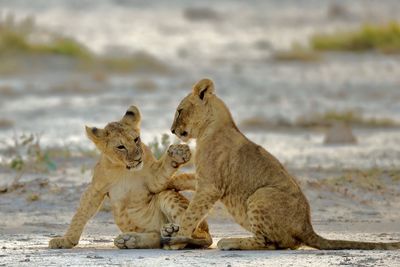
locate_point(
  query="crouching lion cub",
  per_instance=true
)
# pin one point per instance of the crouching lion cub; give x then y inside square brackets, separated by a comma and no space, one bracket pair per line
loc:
[142,193]
[253,185]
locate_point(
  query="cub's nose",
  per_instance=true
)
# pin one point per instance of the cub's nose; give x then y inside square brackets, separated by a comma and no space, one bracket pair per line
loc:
[173,131]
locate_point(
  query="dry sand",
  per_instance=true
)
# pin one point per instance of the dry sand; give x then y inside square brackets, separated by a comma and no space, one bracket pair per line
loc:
[26,227]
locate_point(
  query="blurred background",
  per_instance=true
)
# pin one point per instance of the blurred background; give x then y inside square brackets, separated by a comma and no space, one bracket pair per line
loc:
[317,83]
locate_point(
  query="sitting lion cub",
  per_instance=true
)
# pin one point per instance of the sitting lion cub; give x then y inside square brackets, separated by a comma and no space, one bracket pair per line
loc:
[253,185]
[142,193]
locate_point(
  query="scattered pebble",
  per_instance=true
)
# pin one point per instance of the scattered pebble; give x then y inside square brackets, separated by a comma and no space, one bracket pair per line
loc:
[94,257]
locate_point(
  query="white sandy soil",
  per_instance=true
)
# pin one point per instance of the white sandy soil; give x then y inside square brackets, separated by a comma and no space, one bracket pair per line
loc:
[26,227]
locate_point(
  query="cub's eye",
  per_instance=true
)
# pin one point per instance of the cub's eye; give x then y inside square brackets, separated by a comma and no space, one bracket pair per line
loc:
[137,139]
[178,113]
[121,147]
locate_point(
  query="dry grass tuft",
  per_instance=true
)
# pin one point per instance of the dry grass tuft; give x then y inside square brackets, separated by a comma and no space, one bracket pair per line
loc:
[21,37]
[297,53]
[348,116]
[137,62]
[32,197]
[24,39]
[383,38]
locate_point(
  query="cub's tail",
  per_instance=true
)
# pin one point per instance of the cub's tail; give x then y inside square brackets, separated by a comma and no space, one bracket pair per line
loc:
[314,240]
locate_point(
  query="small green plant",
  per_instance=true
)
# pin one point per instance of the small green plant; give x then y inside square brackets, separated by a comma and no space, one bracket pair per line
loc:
[84,168]
[17,163]
[32,197]
[158,148]
[383,38]
[27,153]
[60,45]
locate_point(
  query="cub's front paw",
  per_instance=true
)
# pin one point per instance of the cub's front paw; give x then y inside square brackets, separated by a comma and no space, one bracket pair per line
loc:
[61,242]
[179,154]
[168,231]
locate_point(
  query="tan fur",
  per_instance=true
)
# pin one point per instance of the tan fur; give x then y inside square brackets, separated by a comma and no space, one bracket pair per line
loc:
[256,189]
[141,189]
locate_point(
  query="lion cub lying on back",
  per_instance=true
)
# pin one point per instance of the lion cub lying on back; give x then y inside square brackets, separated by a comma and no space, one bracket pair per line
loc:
[140,188]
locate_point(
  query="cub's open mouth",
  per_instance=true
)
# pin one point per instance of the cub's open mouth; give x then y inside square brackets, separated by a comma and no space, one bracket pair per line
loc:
[184,136]
[136,165]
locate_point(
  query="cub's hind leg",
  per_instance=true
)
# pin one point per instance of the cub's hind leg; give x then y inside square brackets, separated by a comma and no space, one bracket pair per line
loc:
[138,240]
[174,205]
[278,216]
[274,218]
[256,242]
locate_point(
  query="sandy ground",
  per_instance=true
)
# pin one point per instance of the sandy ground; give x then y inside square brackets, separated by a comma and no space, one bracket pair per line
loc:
[97,249]
[26,227]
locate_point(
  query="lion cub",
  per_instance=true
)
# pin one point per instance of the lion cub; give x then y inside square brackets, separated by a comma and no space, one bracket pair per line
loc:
[253,185]
[141,190]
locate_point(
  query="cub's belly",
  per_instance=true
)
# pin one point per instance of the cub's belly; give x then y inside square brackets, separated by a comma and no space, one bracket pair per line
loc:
[135,209]
[138,216]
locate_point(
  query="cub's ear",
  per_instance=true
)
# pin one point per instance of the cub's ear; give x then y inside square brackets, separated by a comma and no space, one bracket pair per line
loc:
[132,117]
[95,134]
[203,88]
